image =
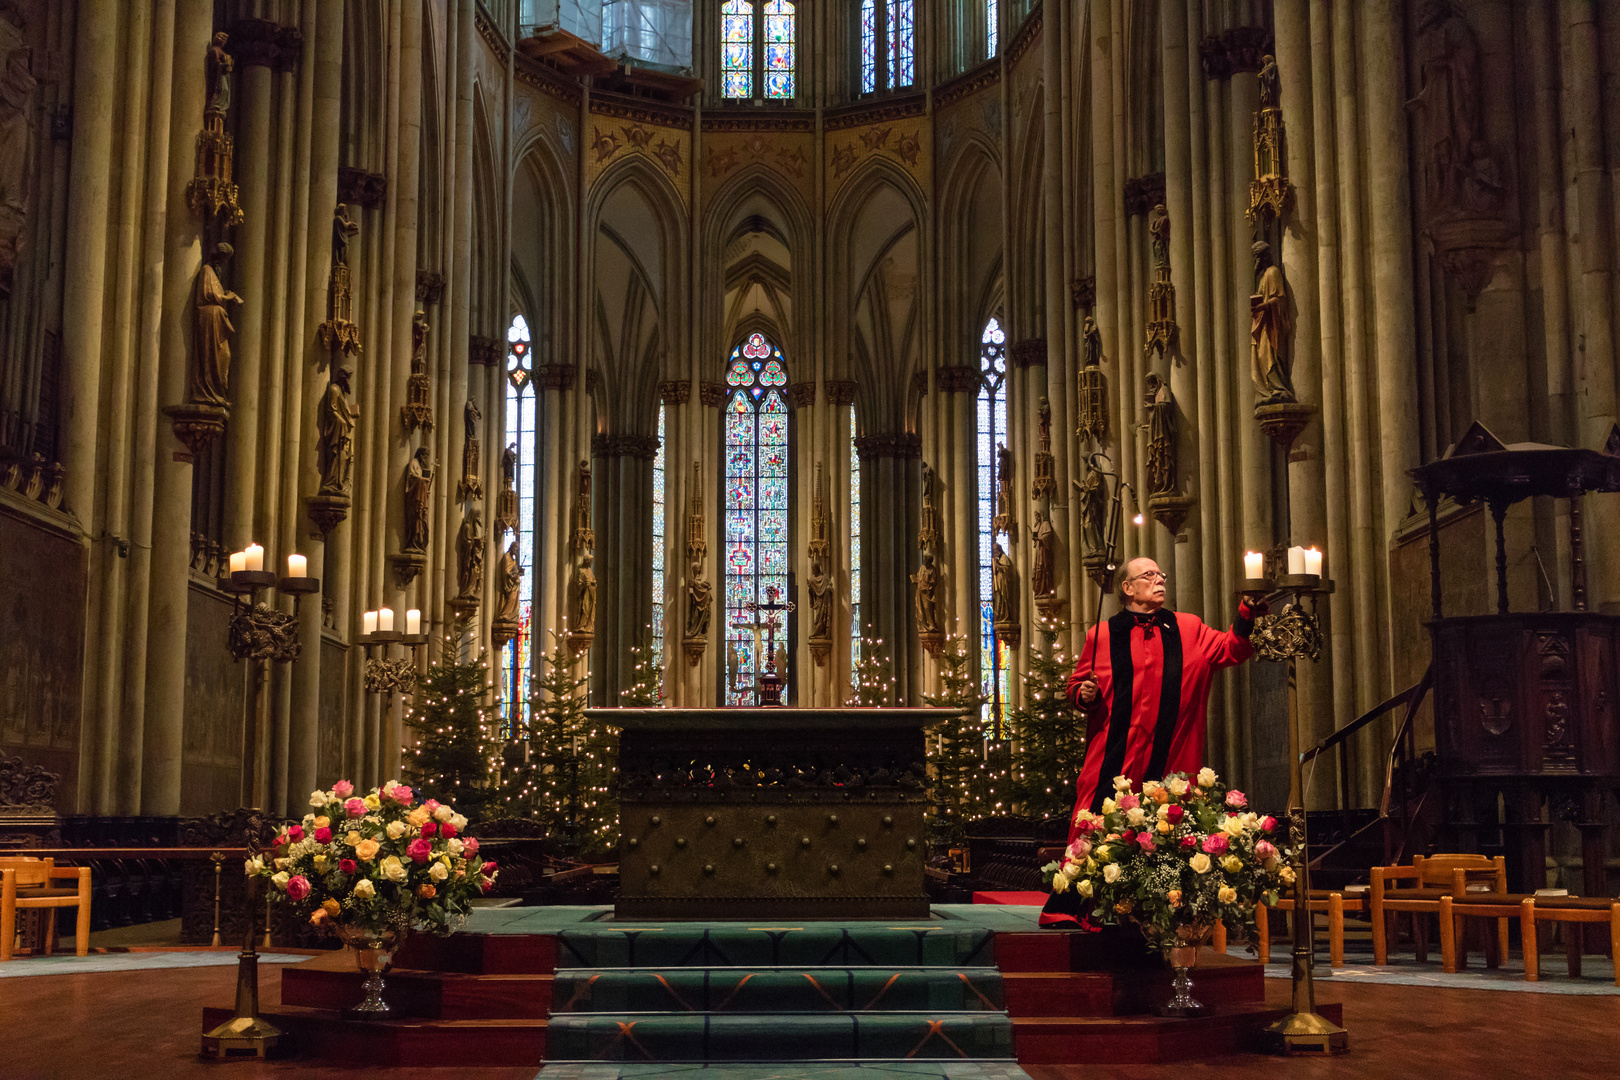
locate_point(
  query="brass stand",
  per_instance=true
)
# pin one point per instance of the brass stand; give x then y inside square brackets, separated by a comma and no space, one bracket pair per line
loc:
[246,1031]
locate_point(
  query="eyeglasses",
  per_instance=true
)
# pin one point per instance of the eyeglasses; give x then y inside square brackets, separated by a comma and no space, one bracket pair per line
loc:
[1150,576]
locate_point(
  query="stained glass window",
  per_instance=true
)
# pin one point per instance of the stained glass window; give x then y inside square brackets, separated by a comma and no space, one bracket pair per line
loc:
[992,430]
[756,434]
[888,52]
[854,547]
[901,51]
[737,49]
[990,28]
[779,48]
[658,544]
[869,71]
[517,660]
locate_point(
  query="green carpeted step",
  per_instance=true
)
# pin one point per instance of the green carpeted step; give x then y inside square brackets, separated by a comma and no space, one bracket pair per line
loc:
[835,1036]
[804,946]
[755,990]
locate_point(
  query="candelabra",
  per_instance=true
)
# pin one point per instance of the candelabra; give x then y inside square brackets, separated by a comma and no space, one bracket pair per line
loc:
[382,674]
[257,630]
[1286,637]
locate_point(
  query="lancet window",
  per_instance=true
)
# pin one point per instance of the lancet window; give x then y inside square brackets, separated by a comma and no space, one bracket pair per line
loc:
[888,50]
[517,658]
[854,547]
[658,543]
[758,45]
[992,431]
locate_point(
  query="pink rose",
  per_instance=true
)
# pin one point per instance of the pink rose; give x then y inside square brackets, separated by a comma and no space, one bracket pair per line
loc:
[419,850]
[295,833]
[429,829]
[1215,844]
[297,887]
[343,789]
[1129,802]
[1268,823]
[348,866]
[1264,850]
[1079,849]
[354,808]
[1174,815]
[401,794]
[323,835]
[1146,840]
[1189,841]
[431,805]
[1236,799]
[471,847]
[446,830]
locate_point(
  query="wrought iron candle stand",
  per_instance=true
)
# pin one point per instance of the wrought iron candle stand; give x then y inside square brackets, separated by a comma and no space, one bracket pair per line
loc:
[385,675]
[1285,638]
[257,630]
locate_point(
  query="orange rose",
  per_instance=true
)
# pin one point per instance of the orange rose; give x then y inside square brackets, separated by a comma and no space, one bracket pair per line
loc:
[427,892]
[332,908]
[317,916]
[367,849]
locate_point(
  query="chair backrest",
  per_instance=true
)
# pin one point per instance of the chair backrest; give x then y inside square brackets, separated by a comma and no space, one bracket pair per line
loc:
[1435,871]
[31,873]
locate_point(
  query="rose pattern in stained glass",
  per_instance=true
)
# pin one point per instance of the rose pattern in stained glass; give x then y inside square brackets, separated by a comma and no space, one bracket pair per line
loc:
[773,374]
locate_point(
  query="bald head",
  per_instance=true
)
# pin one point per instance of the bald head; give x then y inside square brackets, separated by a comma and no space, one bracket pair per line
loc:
[1142,587]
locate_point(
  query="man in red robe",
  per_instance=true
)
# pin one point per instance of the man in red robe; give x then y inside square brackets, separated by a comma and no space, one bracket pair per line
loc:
[1143,679]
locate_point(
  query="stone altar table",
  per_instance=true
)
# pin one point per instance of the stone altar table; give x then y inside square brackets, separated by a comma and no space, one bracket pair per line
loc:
[771,813]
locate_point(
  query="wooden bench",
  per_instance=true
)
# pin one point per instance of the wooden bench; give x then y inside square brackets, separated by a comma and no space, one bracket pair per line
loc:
[1334,903]
[1530,911]
[27,883]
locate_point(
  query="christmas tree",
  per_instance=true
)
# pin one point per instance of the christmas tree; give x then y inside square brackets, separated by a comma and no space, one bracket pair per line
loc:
[455,727]
[647,665]
[967,775]
[872,678]
[1050,732]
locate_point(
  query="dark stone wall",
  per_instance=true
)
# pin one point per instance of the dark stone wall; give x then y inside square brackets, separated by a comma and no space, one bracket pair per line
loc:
[329,746]
[216,691]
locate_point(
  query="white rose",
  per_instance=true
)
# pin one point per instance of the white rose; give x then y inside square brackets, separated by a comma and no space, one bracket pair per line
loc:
[1206,777]
[318,798]
[364,889]
[1111,872]
[1122,783]
[455,845]
[438,871]
[1135,815]
[1109,806]
[1060,884]
[1164,812]
[280,880]
[1084,888]
[394,868]
[1227,895]
[1199,863]
[443,813]
[459,822]
[396,829]
[1178,787]
[253,866]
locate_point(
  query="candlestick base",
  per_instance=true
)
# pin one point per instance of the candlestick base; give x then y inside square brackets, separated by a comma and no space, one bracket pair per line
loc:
[299,586]
[1306,1033]
[248,580]
[1256,586]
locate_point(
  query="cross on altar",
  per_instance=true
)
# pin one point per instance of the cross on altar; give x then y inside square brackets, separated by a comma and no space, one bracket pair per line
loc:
[770,682]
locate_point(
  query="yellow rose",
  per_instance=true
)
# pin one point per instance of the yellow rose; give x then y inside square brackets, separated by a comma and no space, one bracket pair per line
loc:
[323,822]
[1122,783]
[395,830]
[333,908]
[443,813]
[1060,883]
[393,868]
[1232,827]
[1084,888]
[1226,895]
[1178,787]
[352,839]
[1287,874]
[320,862]
[372,802]
[1231,864]
[1206,777]
[1165,826]
[364,889]
[1199,863]
[1109,806]
[367,849]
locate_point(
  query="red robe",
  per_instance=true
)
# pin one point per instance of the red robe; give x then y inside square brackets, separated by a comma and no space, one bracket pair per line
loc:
[1150,724]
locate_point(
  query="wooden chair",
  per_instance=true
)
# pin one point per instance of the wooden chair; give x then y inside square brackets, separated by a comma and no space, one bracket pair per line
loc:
[26,883]
[1334,903]
[1432,877]
[1568,909]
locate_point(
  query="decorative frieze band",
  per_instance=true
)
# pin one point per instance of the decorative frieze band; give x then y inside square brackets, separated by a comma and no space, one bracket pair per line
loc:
[841,391]
[675,391]
[892,444]
[1029,352]
[360,188]
[644,447]
[483,350]
[712,393]
[956,379]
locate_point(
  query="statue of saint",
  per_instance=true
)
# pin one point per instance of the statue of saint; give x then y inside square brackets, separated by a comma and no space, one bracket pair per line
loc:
[1093,339]
[506,500]
[698,595]
[471,415]
[1093,496]
[1270,96]
[511,578]
[1044,424]
[1004,475]
[1040,577]
[927,580]
[1003,594]
[343,227]
[1159,233]
[821,601]
[1448,63]
[470,555]
[585,596]
[1271,331]
[334,426]
[211,366]
[220,66]
[419,333]
[418,487]
[1161,426]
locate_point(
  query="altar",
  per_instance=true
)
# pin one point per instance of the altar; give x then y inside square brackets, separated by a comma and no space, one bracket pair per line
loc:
[756,813]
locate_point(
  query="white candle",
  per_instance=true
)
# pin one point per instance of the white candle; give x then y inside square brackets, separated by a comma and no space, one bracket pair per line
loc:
[255,556]
[368,623]
[413,622]
[238,561]
[1254,565]
[297,566]
[1313,561]
[385,620]
[1296,560]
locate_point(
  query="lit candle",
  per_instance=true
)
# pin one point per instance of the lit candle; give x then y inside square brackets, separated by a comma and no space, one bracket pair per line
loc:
[1296,560]
[1313,561]
[1137,520]
[413,622]
[297,566]
[255,556]
[385,620]
[1254,565]
[368,623]
[238,561]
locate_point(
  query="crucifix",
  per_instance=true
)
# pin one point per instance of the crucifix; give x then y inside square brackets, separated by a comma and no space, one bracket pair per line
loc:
[771,682]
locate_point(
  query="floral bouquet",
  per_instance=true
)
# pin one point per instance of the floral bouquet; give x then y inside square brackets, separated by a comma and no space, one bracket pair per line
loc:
[378,863]
[1175,858]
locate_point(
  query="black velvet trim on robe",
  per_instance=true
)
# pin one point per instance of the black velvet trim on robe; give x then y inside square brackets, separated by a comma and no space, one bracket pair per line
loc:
[1123,673]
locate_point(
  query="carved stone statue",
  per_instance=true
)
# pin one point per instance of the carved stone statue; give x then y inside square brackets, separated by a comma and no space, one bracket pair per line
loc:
[1269,87]
[506,502]
[510,579]
[927,580]
[18,122]
[211,364]
[419,334]
[1003,587]
[1161,427]
[1093,342]
[470,416]
[1093,496]
[821,601]
[1040,576]
[220,66]
[1159,233]
[584,535]
[1271,331]
[1044,424]
[470,555]
[470,487]
[1448,62]
[698,594]
[343,227]
[1004,478]
[334,426]
[584,621]
[418,487]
